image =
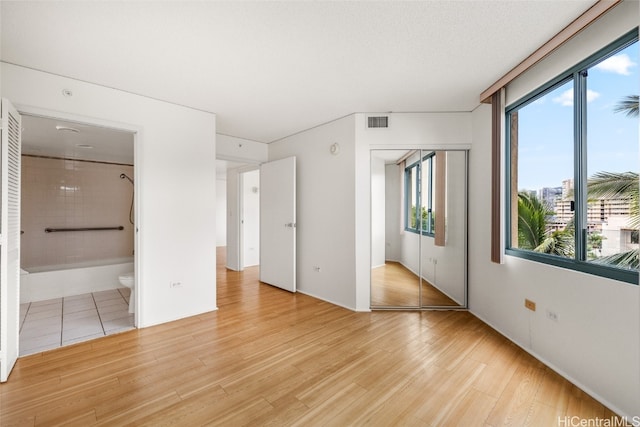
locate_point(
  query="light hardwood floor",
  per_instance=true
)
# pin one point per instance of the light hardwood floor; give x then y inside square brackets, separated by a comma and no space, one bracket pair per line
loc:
[394,285]
[268,357]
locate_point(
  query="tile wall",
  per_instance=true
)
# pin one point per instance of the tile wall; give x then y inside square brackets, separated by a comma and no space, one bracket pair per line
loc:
[60,193]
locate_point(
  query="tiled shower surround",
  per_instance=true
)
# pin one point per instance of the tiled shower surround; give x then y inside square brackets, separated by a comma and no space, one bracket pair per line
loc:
[60,193]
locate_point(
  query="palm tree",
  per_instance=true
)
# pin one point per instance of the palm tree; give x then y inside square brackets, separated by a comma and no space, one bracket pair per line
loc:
[532,221]
[628,106]
[618,185]
[533,232]
[560,242]
[621,185]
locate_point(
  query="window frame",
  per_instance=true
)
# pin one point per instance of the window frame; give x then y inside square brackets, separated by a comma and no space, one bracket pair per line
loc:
[430,230]
[577,74]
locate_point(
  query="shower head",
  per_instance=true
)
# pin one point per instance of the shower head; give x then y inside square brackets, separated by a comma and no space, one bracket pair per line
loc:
[123,176]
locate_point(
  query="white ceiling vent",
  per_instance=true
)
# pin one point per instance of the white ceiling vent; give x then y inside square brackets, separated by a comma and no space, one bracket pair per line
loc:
[378,122]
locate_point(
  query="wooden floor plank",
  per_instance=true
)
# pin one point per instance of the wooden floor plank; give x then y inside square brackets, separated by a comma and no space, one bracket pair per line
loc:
[393,285]
[269,357]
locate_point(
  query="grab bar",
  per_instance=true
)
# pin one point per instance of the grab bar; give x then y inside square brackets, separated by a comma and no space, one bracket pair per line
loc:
[55,230]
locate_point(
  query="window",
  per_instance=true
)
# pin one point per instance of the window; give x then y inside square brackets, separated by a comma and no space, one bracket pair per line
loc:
[420,185]
[573,167]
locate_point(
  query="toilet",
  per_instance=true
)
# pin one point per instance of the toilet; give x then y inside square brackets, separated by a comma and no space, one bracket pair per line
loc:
[128,280]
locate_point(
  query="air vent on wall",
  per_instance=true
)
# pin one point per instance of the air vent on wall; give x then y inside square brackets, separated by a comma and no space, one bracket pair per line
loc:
[378,122]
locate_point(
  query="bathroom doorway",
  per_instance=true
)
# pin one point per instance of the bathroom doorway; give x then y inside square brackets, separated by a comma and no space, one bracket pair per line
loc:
[78,222]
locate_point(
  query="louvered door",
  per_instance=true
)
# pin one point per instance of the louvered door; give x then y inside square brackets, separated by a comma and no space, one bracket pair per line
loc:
[9,239]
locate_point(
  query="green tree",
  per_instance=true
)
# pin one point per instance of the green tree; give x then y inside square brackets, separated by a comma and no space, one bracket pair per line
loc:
[559,242]
[532,221]
[533,229]
[594,244]
[616,185]
[621,185]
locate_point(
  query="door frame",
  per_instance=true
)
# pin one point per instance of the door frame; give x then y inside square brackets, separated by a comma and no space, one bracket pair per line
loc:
[241,211]
[137,175]
[236,207]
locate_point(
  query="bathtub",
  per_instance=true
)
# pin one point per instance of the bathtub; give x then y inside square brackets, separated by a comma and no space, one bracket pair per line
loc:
[48,282]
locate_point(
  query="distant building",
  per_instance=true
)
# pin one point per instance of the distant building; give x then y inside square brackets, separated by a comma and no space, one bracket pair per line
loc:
[567,188]
[608,217]
[549,196]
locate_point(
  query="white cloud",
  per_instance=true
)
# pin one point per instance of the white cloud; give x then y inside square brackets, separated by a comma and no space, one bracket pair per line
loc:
[566,98]
[618,64]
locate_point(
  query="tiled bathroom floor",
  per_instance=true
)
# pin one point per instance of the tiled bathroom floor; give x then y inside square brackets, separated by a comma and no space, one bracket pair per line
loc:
[49,324]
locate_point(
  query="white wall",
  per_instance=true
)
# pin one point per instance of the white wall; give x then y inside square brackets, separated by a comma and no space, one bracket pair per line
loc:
[251,218]
[596,341]
[325,209]
[240,149]
[233,220]
[177,207]
[378,226]
[431,130]
[221,212]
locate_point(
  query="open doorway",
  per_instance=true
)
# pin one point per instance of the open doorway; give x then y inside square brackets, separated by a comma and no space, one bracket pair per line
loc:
[249,218]
[78,233]
[261,213]
[238,214]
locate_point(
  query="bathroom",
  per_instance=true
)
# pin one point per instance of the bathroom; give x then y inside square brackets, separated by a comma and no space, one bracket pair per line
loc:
[77,233]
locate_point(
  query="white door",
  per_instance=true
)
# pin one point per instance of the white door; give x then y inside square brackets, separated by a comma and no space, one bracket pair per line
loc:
[278,223]
[9,239]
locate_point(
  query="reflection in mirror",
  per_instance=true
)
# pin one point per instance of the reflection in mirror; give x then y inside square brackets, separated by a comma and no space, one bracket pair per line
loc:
[418,234]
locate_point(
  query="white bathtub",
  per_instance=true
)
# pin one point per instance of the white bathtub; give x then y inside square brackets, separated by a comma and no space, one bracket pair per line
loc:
[42,283]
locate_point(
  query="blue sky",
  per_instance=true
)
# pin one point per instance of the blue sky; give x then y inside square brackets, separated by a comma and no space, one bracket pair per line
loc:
[545,154]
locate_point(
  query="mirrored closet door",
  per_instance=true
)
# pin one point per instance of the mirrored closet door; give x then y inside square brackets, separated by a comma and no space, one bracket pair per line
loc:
[418,229]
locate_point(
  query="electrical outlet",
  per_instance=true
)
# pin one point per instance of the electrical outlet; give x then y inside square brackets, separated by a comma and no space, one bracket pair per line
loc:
[173,285]
[316,269]
[552,315]
[530,304]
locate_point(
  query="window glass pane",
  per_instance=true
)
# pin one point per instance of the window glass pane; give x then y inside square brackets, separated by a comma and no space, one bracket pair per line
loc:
[432,196]
[426,194]
[612,160]
[412,175]
[541,150]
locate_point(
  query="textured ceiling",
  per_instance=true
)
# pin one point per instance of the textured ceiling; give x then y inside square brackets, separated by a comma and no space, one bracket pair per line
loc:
[270,69]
